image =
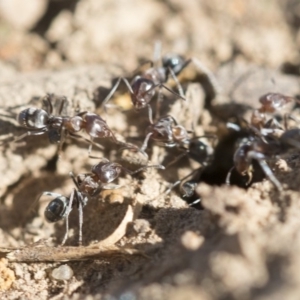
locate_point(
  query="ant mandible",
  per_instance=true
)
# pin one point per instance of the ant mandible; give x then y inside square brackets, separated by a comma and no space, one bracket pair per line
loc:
[87,185]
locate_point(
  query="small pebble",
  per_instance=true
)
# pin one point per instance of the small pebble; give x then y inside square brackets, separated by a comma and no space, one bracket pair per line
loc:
[63,272]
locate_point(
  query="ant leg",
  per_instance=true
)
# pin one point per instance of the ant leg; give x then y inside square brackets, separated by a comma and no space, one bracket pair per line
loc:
[178,182]
[71,174]
[208,73]
[62,105]
[48,96]
[176,159]
[179,87]
[37,199]
[150,113]
[108,97]
[229,175]
[90,141]
[28,133]
[62,140]
[111,186]
[171,91]
[260,158]
[195,202]
[161,167]
[90,147]
[80,212]
[233,126]
[69,209]
[145,143]
[158,103]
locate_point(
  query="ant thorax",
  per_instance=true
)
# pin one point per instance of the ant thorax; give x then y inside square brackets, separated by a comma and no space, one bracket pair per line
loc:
[73,124]
[180,135]
[162,130]
[87,183]
[157,75]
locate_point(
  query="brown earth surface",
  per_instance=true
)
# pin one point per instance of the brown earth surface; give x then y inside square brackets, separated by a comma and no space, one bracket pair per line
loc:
[138,242]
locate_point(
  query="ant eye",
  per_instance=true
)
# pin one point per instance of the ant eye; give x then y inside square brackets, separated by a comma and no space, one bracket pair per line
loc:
[56,209]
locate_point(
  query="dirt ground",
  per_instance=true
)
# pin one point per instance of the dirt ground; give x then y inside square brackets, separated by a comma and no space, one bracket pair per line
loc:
[241,242]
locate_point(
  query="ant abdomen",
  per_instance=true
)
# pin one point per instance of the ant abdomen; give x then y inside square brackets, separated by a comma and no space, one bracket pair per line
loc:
[95,126]
[56,209]
[33,118]
[107,171]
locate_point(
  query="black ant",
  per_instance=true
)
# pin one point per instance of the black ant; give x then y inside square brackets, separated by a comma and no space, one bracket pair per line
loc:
[168,132]
[142,87]
[259,148]
[86,186]
[41,121]
[270,103]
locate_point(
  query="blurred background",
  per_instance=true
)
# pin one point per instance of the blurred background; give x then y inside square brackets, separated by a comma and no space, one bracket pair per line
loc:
[39,34]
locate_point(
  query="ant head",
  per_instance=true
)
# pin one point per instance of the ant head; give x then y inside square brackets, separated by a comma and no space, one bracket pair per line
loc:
[199,151]
[107,171]
[173,61]
[56,209]
[33,118]
[143,91]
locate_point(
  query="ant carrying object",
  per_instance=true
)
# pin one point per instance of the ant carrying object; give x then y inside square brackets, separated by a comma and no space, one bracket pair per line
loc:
[87,185]
[58,127]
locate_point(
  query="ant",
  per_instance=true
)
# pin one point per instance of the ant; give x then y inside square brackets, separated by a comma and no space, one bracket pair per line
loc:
[87,185]
[259,148]
[58,126]
[142,87]
[270,103]
[168,132]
